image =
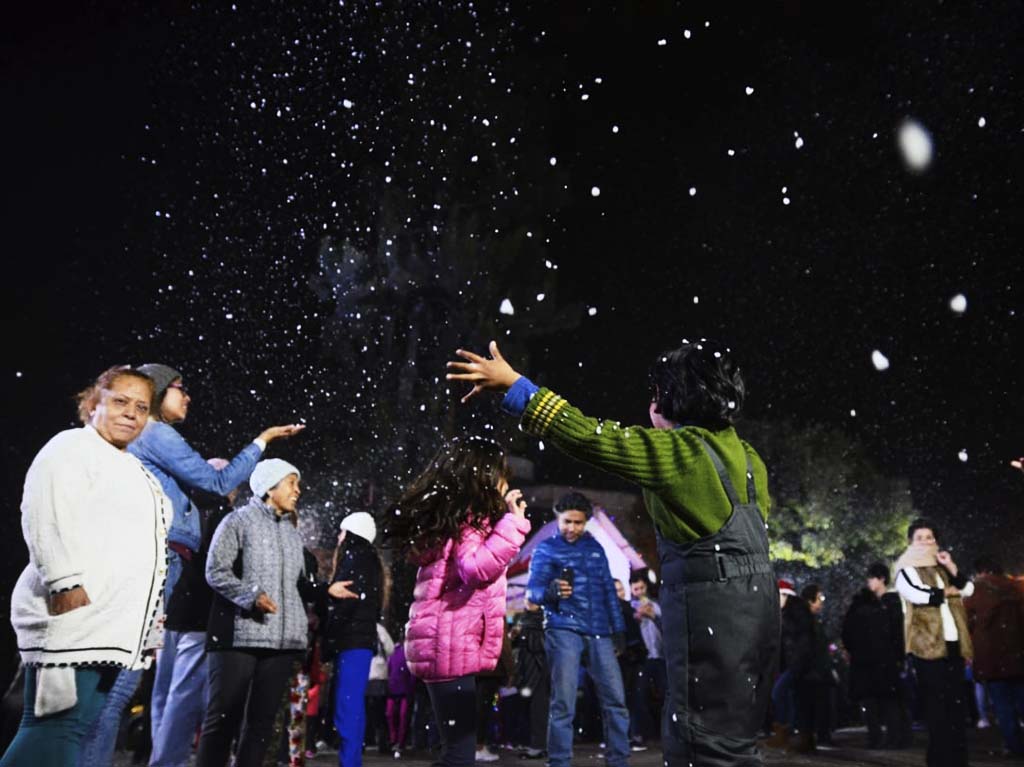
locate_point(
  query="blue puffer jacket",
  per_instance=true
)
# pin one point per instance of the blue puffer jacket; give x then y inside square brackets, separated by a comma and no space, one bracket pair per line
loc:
[593,609]
[177,466]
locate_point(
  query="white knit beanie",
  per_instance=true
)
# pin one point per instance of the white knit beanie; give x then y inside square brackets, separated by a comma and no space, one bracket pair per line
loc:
[361,524]
[268,473]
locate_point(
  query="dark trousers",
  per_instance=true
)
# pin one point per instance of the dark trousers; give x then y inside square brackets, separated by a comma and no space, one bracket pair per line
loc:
[648,697]
[943,692]
[539,702]
[486,688]
[454,706]
[1008,701]
[887,712]
[245,682]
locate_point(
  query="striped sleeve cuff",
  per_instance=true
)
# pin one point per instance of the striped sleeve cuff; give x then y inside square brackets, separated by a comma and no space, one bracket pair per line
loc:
[541,411]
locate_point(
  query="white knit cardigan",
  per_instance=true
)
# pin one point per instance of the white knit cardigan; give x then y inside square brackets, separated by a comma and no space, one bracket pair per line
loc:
[92,516]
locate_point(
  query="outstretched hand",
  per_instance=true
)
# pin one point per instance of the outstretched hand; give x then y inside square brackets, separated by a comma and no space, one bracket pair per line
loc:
[493,374]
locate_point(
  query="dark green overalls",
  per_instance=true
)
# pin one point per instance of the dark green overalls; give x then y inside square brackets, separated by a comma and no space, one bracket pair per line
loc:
[720,622]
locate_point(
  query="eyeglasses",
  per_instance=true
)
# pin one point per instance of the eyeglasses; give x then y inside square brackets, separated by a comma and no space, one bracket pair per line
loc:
[179,386]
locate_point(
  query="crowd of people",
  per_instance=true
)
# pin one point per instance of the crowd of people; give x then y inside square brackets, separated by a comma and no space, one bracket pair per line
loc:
[140,550]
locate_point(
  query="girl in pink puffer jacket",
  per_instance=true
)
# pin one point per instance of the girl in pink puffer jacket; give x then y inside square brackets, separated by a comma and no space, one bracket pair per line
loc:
[462,525]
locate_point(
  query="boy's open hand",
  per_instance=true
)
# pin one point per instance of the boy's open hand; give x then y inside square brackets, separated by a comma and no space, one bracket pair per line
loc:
[485,374]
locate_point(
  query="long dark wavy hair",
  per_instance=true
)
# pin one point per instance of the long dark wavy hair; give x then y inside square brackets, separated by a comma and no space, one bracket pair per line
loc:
[458,487]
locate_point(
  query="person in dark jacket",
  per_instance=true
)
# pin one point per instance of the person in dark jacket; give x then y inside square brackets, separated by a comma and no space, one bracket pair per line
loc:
[631,665]
[188,612]
[806,651]
[533,675]
[569,576]
[357,597]
[873,637]
[995,615]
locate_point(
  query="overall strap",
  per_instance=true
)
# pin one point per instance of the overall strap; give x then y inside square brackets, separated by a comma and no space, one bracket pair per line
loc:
[723,476]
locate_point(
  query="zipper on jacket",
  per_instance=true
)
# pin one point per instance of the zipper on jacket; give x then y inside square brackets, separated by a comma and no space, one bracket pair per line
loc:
[280,547]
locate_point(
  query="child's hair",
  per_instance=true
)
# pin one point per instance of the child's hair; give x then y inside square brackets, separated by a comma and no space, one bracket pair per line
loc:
[698,383]
[458,487]
[574,502]
[352,540]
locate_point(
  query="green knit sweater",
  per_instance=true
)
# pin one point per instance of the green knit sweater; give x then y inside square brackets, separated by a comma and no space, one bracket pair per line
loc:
[680,486]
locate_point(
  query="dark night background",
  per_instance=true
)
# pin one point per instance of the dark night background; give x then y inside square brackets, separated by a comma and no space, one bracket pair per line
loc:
[181,183]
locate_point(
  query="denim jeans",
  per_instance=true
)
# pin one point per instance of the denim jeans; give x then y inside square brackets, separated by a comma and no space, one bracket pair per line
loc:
[56,740]
[99,742]
[162,681]
[1008,701]
[565,650]
[185,704]
[783,705]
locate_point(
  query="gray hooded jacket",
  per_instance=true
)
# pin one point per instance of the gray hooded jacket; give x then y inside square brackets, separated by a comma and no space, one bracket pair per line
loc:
[256,551]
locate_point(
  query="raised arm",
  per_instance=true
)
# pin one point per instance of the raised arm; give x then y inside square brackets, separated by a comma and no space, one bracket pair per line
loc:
[168,450]
[480,559]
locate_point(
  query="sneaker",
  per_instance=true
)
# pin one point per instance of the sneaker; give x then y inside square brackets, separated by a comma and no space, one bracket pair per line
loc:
[533,753]
[486,755]
[637,744]
[322,747]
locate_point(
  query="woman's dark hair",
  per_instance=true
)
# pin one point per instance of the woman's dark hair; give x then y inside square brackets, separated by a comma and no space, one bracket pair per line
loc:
[575,502]
[458,487]
[89,398]
[699,383]
[353,541]
[922,523]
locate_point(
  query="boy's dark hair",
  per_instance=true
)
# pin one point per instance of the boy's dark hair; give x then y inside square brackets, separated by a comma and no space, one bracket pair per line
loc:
[988,564]
[922,523]
[809,593]
[698,383]
[638,576]
[574,502]
[879,570]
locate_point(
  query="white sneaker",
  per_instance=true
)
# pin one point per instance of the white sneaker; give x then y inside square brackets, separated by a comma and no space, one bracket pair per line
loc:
[486,755]
[983,724]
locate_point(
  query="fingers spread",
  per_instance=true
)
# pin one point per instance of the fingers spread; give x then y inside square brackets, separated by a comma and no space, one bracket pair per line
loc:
[469,355]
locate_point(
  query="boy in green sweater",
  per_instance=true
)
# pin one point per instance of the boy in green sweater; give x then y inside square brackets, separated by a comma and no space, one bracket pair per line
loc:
[707,493]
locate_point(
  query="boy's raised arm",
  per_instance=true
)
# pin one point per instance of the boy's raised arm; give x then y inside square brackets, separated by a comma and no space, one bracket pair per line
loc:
[647,456]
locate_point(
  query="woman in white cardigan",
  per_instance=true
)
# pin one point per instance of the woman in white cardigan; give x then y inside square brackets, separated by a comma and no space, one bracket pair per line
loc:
[95,524]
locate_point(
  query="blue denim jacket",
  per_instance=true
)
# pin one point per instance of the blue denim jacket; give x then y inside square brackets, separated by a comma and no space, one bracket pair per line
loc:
[178,467]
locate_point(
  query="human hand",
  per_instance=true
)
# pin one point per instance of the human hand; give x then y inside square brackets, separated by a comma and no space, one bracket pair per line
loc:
[952,591]
[516,504]
[265,604]
[485,374]
[66,601]
[564,589]
[945,559]
[288,430]
[340,590]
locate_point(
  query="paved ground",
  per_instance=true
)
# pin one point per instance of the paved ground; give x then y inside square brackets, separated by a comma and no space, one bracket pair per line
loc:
[984,750]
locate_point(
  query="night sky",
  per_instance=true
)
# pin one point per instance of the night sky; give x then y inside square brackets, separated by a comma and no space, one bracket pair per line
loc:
[180,184]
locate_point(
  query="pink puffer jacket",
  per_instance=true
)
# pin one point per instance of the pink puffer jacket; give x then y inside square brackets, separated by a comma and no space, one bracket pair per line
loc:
[457,618]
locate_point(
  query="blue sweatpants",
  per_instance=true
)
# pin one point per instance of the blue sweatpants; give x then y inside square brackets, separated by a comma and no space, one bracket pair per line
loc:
[352,671]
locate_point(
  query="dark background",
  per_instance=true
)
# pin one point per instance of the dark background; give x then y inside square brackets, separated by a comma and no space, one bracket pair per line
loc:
[168,166]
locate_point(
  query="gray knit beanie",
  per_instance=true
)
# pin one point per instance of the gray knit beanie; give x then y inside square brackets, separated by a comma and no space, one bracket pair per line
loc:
[162,376]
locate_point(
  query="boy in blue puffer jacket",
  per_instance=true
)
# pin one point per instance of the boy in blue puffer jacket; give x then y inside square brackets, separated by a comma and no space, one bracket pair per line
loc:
[570,579]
